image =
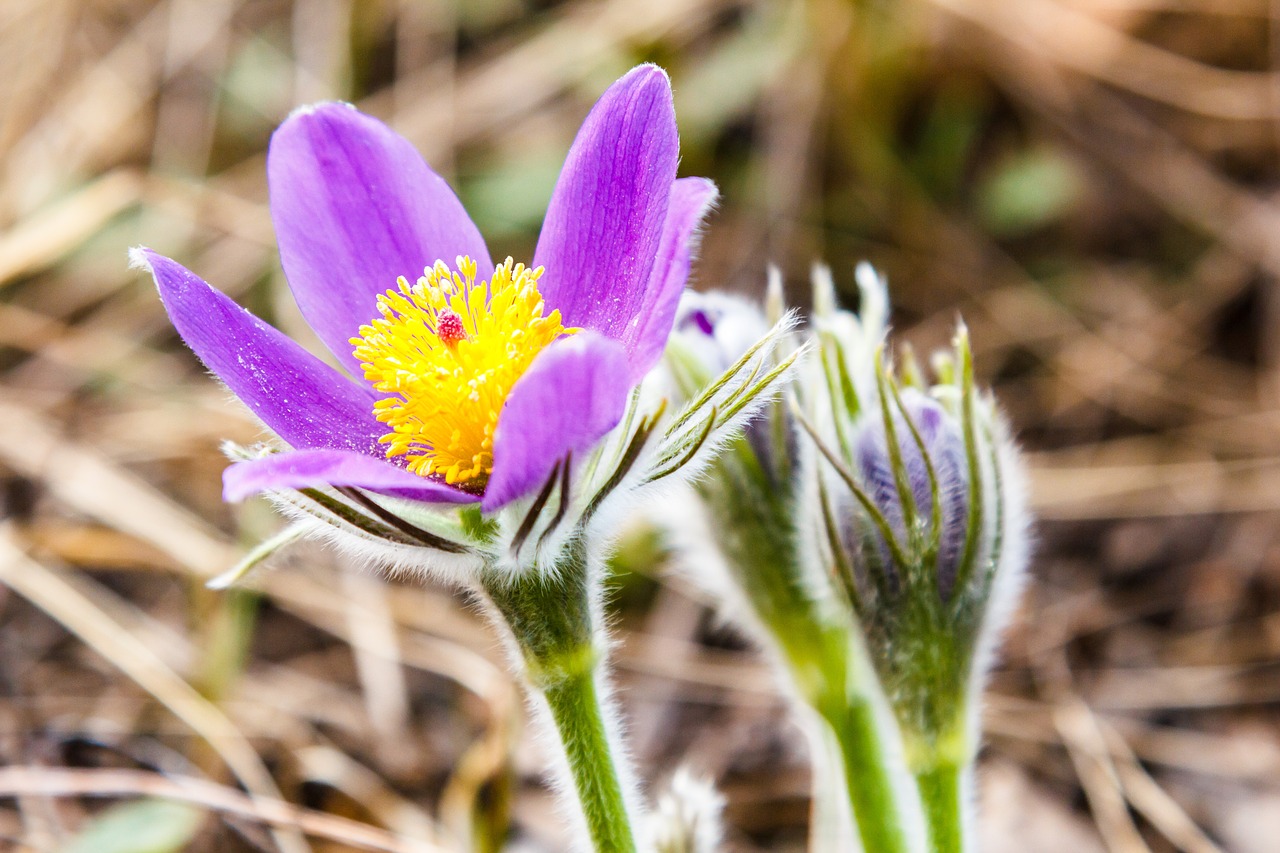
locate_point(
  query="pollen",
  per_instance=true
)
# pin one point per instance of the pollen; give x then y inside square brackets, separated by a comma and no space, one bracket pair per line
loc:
[447,351]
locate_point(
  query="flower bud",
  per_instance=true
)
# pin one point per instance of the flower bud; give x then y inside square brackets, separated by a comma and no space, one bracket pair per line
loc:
[922,510]
[717,328]
[712,331]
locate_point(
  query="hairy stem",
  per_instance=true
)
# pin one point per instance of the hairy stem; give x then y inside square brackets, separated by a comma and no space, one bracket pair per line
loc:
[551,616]
[754,528]
[876,810]
[575,707]
[942,797]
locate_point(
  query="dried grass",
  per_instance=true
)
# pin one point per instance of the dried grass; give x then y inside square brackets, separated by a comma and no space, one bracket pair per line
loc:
[1130,334]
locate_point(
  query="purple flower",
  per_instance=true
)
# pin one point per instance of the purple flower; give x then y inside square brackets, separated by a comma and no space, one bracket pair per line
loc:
[471,381]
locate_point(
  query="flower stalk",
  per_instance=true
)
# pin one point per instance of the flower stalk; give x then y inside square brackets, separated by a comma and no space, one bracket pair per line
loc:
[550,616]
[942,797]
[818,650]
[868,775]
[579,716]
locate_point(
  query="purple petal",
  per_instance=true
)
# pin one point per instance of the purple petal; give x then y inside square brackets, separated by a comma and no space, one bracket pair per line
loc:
[306,469]
[303,400]
[354,207]
[574,392]
[876,472]
[605,220]
[944,439]
[646,335]
[944,442]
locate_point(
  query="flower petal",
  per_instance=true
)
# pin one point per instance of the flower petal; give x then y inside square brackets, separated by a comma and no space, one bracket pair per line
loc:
[355,206]
[306,469]
[305,401]
[646,335]
[605,220]
[574,392]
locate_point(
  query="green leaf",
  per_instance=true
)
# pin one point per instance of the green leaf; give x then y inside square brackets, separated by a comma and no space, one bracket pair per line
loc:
[139,826]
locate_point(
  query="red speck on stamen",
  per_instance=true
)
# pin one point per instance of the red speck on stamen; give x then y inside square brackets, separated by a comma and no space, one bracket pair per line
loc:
[449,328]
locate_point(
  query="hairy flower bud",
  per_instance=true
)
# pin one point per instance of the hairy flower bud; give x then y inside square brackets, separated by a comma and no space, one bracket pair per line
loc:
[712,331]
[718,328]
[922,510]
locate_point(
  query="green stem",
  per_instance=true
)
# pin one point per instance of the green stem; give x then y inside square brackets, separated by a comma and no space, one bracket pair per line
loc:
[942,799]
[551,616]
[826,673]
[870,784]
[753,508]
[575,707]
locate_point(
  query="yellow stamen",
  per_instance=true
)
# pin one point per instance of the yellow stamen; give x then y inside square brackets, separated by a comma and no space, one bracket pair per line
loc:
[448,350]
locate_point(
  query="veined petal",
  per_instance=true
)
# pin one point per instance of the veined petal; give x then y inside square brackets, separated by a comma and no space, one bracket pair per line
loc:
[605,220]
[574,392]
[355,206]
[646,335]
[303,400]
[307,469]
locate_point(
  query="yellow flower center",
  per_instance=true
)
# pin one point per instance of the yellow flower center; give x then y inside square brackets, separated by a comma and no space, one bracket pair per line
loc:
[448,350]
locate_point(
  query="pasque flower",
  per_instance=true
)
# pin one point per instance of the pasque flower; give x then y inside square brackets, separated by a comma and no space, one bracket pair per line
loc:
[469,381]
[489,424]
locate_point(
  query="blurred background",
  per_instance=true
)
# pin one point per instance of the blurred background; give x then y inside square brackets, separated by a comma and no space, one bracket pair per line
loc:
[1090,183]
